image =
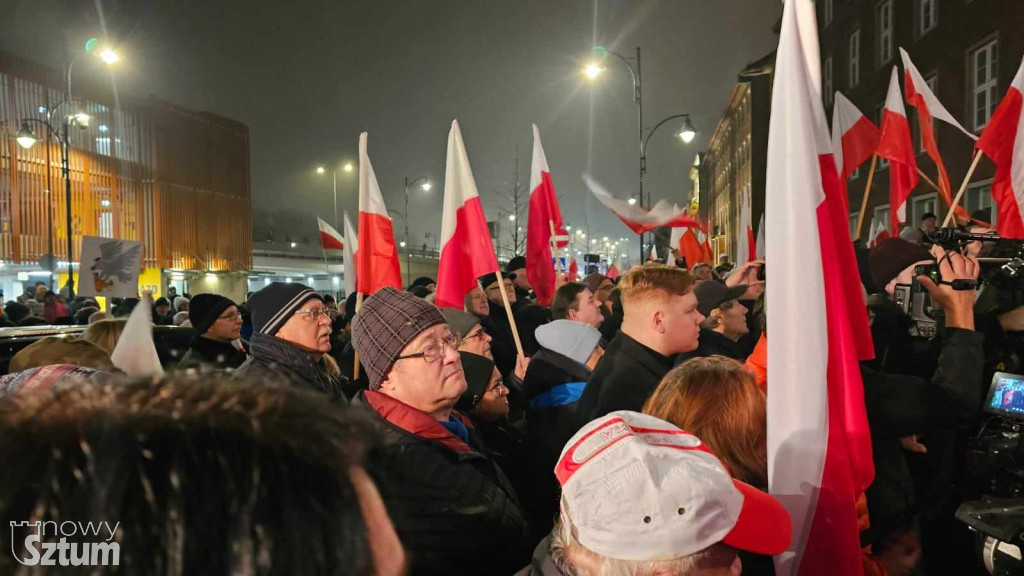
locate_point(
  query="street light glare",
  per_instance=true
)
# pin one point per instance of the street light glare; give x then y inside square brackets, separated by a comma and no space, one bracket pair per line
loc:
[632,201]
[348,167]
[593,70]
[512,217]
[109,56]
[687,132]
[426,186]
[26,137]
[319,169]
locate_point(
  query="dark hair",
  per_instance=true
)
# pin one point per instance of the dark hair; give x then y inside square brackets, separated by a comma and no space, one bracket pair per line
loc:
[419,291]
[328,299]
[566,298]
[82,316]
[928,215]
[204,476]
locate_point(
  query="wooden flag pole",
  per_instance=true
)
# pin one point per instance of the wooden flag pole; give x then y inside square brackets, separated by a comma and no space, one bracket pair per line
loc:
[867,191]
[963,187]
[928,180]
[355,368]
[511,317]
[554,246]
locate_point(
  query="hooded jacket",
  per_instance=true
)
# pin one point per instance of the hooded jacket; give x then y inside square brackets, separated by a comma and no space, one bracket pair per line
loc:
[454,509]
[274,359]
[624,379]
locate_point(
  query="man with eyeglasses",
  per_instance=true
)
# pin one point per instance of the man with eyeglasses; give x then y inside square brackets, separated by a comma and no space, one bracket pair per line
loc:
[218,328]
[454,509]
[291,340]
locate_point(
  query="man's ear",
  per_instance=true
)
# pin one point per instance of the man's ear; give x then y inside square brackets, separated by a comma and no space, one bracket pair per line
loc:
[658,320]
[572,315]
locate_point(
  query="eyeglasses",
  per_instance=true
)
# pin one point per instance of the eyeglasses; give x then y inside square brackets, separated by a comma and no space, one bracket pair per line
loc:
[435,350]
[496,387]
[508,286]
[313,313]
[478,334]
[232,317]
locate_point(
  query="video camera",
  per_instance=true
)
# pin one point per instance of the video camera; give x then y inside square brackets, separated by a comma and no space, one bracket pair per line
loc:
[996,460]
[916,302]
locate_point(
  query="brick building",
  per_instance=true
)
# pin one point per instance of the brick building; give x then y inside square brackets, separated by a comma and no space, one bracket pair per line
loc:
[967,50]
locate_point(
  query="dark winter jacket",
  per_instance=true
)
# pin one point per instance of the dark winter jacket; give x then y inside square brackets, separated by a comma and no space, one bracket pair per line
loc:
[541,564]
[553,387]
[624,378]
[212,354]
[455,511]
[276,360]
[715,344]
[900,405]
[503,346]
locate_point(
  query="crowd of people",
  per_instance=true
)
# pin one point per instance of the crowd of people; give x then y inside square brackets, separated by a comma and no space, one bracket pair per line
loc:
[619,430]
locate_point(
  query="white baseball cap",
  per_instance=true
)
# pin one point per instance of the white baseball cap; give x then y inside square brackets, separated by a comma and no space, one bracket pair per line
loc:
[638,488]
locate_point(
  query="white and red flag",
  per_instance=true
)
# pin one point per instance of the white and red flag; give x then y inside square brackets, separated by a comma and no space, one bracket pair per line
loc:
[691,248]
[377,257]
[1003,142]
[759,245]
[329,237]
[854,137]
[819,446]
[896,146]
[544,215]
[878,233]
[349,254]
[641,219]
[466,250]
[921,97]
[612,272]
[746,246]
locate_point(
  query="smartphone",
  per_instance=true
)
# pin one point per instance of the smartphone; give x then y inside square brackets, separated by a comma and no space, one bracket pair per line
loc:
[760,273]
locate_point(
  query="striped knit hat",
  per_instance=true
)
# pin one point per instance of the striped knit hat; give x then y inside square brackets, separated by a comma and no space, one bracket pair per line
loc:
[385,324]
[273,305]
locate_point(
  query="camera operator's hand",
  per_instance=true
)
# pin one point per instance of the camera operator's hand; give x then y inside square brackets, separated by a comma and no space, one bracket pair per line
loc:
[747,274]
[957,304]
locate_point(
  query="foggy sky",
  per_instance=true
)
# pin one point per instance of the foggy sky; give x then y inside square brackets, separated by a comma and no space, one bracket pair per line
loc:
[307,77]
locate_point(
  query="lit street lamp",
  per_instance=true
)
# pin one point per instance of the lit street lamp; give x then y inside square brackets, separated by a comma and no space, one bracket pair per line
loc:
[425,186]
[334,179]
[26,138]
[686,132]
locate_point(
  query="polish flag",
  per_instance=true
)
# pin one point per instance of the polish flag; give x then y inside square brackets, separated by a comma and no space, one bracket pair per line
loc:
[896,146]
[544,212]
[759,246]
[349,254]
[329,237]
[691,248]
[746,249]
[877,233]
[613,272]
[675,243]
[377,255]
[654,253]
[705,246]
[574,271]
[1003,142]
[854,137]
[920,96]
[819,446]
[466,250]
[641,219]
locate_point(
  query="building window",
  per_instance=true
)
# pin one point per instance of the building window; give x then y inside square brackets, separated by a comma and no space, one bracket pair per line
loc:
[826,74]
[921,205]
[854,58]
[979,197]
[927,16]
[883,163]
[853,224]
[882,215]
[983,83]
[883,14]
[855,174]
[826,12]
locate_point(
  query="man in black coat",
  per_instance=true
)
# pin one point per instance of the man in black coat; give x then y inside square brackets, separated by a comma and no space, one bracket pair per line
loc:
[660,320]
[454,509]
[218,325]
[725,324]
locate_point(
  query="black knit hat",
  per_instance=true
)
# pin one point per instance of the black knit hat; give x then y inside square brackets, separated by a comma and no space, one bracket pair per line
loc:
[516,263]
[490,278]
[893,256]
[204,309]
[478,371]
[276,303]
[384,325]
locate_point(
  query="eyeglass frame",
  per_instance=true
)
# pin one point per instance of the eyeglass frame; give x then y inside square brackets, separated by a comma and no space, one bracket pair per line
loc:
[453,340]
[313,314]
[232,317]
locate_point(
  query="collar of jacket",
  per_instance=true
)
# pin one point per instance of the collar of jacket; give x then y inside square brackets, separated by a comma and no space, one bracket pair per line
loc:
[210,349]
[549,369]
[717,341]
[654,361]
[417,423]
[281,352]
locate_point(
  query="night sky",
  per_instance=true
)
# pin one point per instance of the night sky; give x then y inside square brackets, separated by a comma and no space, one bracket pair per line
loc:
[307,77]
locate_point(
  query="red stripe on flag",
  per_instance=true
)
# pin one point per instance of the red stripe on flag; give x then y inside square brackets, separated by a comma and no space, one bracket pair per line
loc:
[330,242]
[859,143]
[543,209]
[998,143]
[377,258]
[931,146]
[465,257]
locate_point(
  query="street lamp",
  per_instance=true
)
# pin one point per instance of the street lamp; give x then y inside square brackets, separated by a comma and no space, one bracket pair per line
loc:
[408,253]
[348,167]
[687,133]
[26,138]
[334,180]
[511,217]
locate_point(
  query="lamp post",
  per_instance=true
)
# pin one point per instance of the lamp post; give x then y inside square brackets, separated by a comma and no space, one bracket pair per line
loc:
[26,138]
[594,69]
[334,180]
[425,186]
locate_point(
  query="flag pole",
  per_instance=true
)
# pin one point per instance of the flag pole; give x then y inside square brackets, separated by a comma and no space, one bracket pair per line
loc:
[554,246]
[927,179]
[355,367]
[867,191]
[508,310]
[963,187]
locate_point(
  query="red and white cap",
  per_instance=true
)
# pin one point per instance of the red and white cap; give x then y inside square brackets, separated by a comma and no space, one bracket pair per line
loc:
[638,488]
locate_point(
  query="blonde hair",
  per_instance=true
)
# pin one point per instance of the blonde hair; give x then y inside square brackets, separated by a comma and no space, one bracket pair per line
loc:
[105,333]
[654,281]
[718,401]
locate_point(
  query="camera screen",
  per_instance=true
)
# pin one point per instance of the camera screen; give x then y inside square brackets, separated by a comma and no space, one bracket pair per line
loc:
[1006,395]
